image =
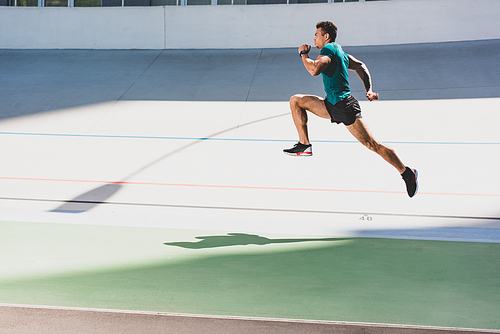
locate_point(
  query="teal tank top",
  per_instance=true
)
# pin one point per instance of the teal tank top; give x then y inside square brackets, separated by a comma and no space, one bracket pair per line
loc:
[335,77]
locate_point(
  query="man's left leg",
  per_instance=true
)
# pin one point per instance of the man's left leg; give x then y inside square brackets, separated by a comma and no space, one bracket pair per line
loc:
[362,133]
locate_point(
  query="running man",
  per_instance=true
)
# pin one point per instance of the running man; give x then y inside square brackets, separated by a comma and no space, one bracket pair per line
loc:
[339,106]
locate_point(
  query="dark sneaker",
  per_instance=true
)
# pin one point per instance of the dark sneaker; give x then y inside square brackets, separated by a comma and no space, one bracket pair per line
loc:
[410,176]
[299,149]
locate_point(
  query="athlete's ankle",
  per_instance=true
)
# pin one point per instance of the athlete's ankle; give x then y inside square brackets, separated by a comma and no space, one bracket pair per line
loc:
[407,172]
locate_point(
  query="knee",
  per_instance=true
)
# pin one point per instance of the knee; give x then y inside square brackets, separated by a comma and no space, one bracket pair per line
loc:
[295,100]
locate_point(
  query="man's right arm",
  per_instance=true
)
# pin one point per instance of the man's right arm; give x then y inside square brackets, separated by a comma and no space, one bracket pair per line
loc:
[316,66]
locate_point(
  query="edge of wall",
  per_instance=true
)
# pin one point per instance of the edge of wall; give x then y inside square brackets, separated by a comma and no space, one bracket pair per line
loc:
[252,26]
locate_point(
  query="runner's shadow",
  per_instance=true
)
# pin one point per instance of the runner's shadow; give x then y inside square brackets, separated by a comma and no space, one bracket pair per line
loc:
[238,239]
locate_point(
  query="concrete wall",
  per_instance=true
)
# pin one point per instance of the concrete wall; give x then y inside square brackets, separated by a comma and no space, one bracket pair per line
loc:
[82,28]
[268,26]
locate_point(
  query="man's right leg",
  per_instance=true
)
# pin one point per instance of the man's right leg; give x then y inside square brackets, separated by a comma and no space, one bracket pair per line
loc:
[361,132]
[299,105]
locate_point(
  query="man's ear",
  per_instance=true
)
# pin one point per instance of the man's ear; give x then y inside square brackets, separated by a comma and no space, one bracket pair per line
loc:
[327,36]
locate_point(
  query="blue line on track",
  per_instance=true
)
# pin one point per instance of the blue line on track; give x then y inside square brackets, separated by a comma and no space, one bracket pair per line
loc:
[229,139]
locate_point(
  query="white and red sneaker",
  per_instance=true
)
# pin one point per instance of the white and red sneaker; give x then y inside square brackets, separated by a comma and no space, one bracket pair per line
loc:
[299,150]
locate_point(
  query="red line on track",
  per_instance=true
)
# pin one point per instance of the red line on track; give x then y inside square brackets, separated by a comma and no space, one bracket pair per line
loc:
[237,187]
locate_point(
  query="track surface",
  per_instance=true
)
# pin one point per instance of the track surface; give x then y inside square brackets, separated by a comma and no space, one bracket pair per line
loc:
[153,181]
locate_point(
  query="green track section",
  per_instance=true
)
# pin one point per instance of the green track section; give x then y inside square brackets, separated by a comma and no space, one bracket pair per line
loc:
[433,283]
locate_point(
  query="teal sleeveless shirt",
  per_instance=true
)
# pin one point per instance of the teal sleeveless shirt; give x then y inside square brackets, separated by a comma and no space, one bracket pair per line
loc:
[335,77]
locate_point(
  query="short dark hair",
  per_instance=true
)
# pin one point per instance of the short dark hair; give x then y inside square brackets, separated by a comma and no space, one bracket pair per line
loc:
[328,28]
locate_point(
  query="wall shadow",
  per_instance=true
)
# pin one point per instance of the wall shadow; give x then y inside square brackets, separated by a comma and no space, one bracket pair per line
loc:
[35,81]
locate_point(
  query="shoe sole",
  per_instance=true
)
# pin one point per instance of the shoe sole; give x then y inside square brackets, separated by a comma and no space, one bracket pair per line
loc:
[416,181]
[300,154]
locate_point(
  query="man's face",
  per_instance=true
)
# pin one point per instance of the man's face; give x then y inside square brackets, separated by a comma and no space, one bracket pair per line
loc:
[320,38]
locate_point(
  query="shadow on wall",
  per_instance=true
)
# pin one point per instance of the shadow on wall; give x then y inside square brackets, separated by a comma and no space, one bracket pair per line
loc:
[36,81]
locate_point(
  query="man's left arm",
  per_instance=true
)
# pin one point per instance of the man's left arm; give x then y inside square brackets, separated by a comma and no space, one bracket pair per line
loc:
[362,71]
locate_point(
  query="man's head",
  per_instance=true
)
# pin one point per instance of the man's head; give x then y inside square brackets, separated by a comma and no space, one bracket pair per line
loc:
[326,32]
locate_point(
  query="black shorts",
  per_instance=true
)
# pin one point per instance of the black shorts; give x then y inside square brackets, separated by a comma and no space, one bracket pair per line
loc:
[345,111]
